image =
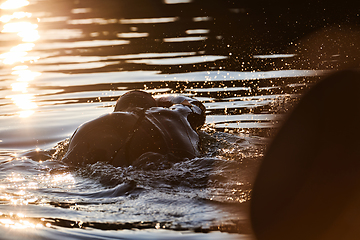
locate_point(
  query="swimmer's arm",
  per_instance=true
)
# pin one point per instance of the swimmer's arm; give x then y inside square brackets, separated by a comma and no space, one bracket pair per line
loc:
[168,101]
[197,116]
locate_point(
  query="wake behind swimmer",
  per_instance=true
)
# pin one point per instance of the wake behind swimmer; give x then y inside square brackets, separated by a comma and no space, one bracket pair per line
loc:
[139,129]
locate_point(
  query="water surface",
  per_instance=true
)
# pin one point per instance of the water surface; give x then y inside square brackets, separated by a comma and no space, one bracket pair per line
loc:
[66,62]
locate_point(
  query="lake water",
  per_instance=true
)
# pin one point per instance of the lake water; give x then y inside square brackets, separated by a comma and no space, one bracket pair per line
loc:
[65,62]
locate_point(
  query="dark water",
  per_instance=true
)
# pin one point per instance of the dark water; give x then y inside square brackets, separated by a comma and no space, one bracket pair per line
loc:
[66,62]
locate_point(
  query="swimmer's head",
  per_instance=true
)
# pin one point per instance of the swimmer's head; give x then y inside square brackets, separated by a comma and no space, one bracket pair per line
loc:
[134,99]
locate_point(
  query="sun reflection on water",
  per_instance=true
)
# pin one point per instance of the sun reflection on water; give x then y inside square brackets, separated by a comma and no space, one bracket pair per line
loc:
[18,27]
[17,189]
[19,221]
[15,178]
[24,102]
[19,22]
[15,15]
[14,4]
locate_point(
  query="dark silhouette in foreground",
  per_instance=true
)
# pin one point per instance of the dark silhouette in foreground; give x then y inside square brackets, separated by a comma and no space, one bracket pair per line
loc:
[140,129]
[308,186]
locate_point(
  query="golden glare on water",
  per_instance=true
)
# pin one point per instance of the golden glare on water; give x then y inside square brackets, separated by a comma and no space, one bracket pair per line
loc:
[26,30]
[15,15]
[26,75]
[15,178]
[13,57]
[24,47]
[24,101]
[15,189]
[26,113]
[18,223]
[19,86]
[18,27]
[17,56]
[14,4]
[30,35]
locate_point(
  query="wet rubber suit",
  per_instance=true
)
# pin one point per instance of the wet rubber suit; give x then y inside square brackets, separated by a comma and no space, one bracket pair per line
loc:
[136,133]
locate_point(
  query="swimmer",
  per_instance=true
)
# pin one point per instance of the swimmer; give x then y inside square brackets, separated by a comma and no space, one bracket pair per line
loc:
[140,128]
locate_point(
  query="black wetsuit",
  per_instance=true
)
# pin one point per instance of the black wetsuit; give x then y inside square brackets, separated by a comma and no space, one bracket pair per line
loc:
[121,138]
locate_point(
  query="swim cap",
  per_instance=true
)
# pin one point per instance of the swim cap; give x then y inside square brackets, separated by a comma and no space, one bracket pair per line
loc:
[134,99]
